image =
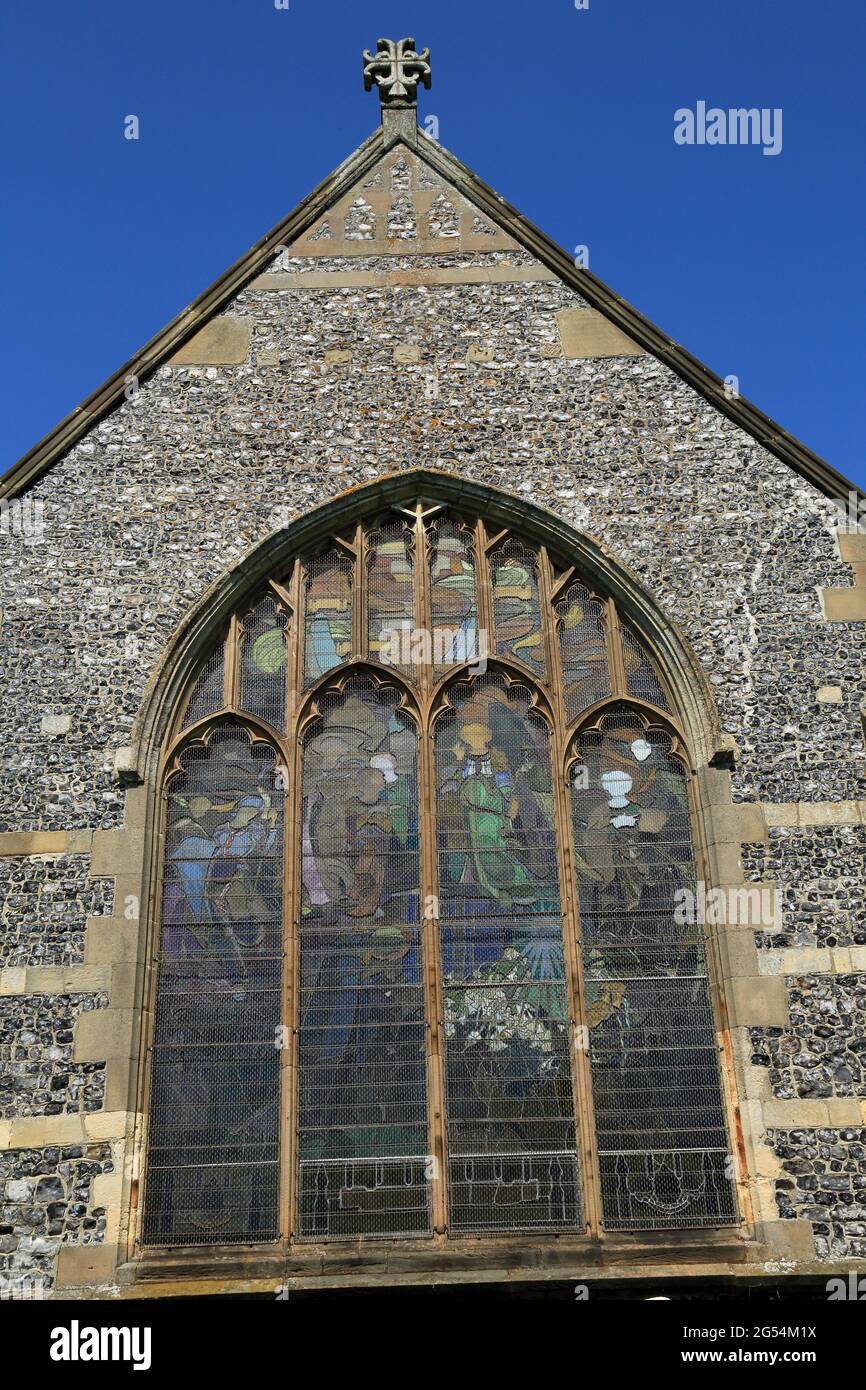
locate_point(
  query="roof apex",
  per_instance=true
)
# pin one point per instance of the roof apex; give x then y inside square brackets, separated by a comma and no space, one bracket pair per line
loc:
[595,292]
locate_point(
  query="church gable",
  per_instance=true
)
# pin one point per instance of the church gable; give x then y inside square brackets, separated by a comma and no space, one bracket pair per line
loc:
[254,780]
[403,198]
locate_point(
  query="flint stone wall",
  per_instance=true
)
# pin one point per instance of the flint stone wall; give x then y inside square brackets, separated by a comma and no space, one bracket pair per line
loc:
[203,462]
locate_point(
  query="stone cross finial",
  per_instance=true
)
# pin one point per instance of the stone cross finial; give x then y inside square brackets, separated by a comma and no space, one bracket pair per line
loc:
[396,69]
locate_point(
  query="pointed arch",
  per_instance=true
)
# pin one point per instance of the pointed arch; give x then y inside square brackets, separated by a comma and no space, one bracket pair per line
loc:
[690,689]
[423,661]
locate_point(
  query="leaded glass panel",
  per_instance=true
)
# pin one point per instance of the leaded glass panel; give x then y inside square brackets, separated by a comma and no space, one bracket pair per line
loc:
[583,645]
[652,1043]
[391,624]
[328,584]
[362,1105]
[452,852]
[516,605]
[207,693]
[453,601]
[264,652]
[641,676]
[511,1134]
[213,1170]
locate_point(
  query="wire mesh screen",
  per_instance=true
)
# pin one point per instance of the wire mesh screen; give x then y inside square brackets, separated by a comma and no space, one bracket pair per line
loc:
[362,1067]
[264,654]
[392,637]
[207,693]
[582,635]
[452,594]
[516,605]
[662,1141]
[213,1162]
[327,613]
[641,675]
[510,1103]
[359,1098]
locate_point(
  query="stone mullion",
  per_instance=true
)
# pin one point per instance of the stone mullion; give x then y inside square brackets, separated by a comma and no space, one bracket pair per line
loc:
[581,1080]
[295,646]
[232,664]
[618,679]
[434,994]
[292,812]
[360,626]
[289,1058]
[434,999]
[483,594]
[421,670]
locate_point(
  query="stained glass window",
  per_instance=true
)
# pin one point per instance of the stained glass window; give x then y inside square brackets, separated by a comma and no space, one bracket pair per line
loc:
[362,1106]
[421,971]
[659,1112]
[214,1112]
[516,604]
[263,655]
[510,1103]
[327,613]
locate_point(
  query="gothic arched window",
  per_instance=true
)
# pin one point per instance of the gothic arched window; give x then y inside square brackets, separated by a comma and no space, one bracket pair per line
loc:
[423,963]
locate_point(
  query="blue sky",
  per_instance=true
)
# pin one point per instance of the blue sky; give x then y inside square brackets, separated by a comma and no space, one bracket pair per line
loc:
[755,263]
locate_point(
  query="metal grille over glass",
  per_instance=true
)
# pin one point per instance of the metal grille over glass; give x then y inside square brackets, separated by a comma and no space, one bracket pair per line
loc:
[362,1110]
[422,968]
[207,695]
[510,1102]
[263,663]
[659,1112]
[453,606]
[516,605]
[327,613]
[582,649]
[213,1173]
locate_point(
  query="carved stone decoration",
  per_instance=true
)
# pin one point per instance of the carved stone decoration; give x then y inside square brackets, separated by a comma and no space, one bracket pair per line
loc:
[396,69]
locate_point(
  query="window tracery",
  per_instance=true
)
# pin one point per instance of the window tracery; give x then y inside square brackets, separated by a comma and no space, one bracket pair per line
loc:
[426,813]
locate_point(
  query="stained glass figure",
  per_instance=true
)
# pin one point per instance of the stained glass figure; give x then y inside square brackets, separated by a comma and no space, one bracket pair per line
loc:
[511,1132]
[363,1119]
[213,1170]
[662,1146]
